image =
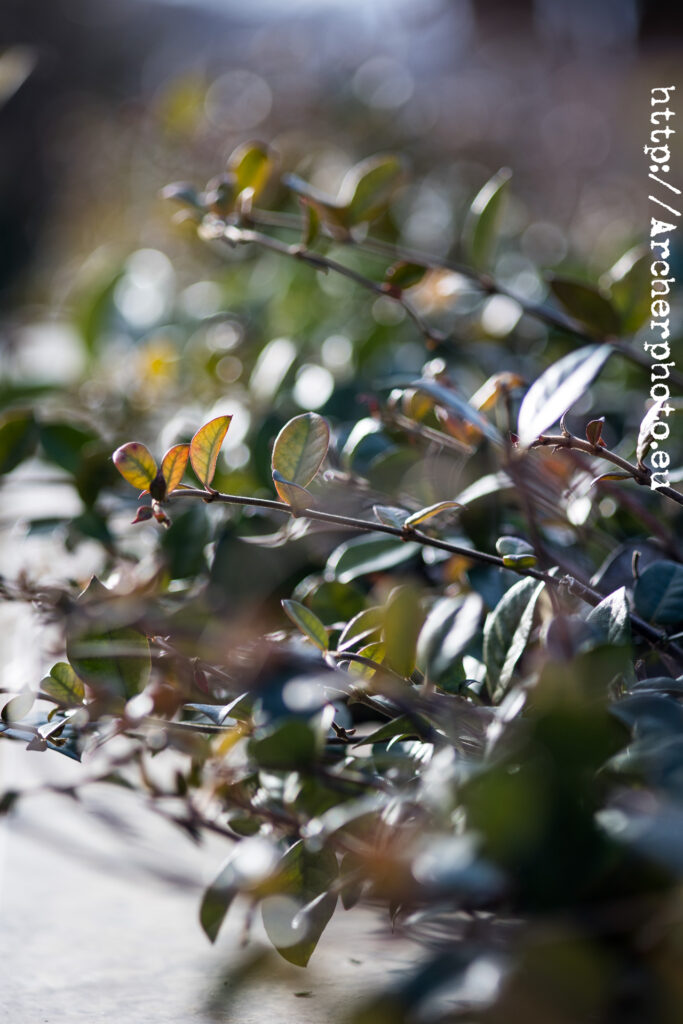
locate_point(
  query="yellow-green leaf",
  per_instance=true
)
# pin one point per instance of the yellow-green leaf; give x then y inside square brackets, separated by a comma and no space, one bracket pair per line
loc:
[135,464]
[481,224]
[369,186]
[298,498]
[173,465]
[300,448]
[432,510]
[205,446]
[308,622]
[63,684]
[252,165]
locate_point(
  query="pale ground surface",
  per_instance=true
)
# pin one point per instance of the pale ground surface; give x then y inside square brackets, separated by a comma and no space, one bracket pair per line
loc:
[89,933]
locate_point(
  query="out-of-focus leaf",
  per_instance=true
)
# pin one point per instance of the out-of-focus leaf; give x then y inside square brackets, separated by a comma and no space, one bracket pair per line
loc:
[289,745]
[63,444]
[557,389]
[513,546]
[506,633]
[364,555]
[360,627]
[645,432]
[173,465]
[368,187]
[300,448]
[308,622]
[252,165]
[247,866]
[63,684]
[658,593]
[114,660]
[451,400]
[628,285]
[135,464]
[586,304]
[296,917]
[483,218]
[404,275]
[432,510]
[205,447]
[19,435]
[448,629]
[18,707]
[390,515]
[16,64]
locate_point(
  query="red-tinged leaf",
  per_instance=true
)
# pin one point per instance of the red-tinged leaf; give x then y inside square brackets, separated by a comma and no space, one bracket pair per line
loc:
[135,464]
[298,498]
[143,514]
[205,446]
[594,430]
[611,476]
[300,448]
[173,465]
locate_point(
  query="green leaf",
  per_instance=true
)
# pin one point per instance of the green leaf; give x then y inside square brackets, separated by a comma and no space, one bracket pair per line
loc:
[63,444]
[252,165]
[432,510]
[403,618]
[298,498]
[645,437]
[453,402]
[18,707]
[557,389]
[289,745]
[364,555]
[300,448]
[296,918]
[506,633]
[173,465]
[367,189]
[111,657]
[135,464]
[18,439]
[246,867]
[483,219]
[628,285]
[308,622]
[63,684]
[449,628]
[586,304]
[404,275]
[390,515]
[205,446]
[658,593]
[612,617]
[360,628]
[401,726]
[513,546]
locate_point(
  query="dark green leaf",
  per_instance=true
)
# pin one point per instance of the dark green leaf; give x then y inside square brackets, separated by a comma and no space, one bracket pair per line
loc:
[587,305]
[296,917]
[483,219]
[658,593]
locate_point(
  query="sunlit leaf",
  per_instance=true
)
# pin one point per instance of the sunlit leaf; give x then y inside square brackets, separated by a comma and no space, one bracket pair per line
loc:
[205,446]
[483,218]
[506,633]
[645,436]
[452,401]
[135,464]
[18,707]
[390,515]
[300,448]
[432,510]
[513,546]
[364,555]
[173,465]
[298,498]
[403,618]
[296,917]
[612,617]
[449,628]
[360,628]
[557,389]
[628,285]
[252,165]
[246,867]
[308,622]
[63,684]
[368,187]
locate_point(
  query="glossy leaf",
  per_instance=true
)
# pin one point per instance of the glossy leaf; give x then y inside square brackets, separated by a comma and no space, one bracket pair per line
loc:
[205,447]
[402,621]
[390,515]
[612,617]
[63,684]
[586,304]
[135,464]
[297,497]
[513,546]
[557,389]
[507,631]
[173,465]
[17,708]
[449,628]
[364,555]
[300,448]
[645,432]
[628,285]
[360,628]
[431,510]
[308,622]
[658,593]
[483,219]
[296,917]
[246,867]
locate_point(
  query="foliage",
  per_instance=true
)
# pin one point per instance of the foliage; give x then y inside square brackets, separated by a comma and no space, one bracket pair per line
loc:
[408,648]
